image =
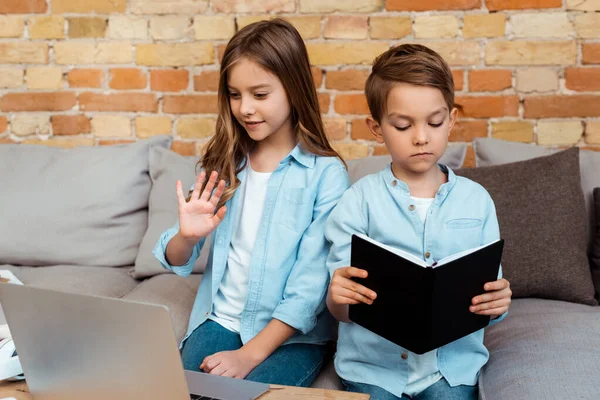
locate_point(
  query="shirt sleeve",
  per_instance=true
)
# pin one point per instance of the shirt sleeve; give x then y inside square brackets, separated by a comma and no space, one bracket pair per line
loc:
[347,218]
[306,287]
[161,248]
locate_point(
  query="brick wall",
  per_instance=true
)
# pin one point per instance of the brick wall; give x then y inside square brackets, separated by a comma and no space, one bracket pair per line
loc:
[99,72]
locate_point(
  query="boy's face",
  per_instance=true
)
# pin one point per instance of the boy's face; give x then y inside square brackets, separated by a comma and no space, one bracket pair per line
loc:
[415,127]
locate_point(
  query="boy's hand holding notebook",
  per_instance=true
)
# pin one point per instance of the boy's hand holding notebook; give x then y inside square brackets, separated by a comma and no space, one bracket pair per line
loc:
[418,306]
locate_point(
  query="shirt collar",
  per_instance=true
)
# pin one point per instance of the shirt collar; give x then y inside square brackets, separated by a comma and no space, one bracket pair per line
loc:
[301,156]
[396,184]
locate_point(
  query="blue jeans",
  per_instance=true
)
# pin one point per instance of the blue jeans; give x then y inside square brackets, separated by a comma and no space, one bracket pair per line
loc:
[440,390]
[296,364]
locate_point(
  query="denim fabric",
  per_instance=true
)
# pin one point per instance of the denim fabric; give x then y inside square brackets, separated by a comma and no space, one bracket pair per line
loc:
[440,390]
[296,364]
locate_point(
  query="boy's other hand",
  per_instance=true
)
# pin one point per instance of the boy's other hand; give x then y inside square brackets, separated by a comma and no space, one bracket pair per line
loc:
[343,290]
[495,301]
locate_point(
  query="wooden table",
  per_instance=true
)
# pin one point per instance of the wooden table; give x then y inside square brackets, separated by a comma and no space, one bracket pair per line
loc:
[19,391]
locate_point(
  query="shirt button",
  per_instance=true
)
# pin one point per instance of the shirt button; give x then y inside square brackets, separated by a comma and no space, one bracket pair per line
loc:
[394,183]
[411,207]
[404,356]
[427,255]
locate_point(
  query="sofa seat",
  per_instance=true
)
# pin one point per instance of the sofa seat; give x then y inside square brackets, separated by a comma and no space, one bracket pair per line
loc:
[97,281]
[544,349]
[176,292]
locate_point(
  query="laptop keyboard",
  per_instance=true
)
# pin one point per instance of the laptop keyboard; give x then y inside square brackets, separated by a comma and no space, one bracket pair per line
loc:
[200,397]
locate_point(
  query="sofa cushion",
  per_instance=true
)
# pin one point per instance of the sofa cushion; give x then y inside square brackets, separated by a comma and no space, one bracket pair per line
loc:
[541,214]
[166,167]
[176,292]
[82,206]
[453,158]
[328,378]
[543,349]
[97,281]
[595,254]
[494,152]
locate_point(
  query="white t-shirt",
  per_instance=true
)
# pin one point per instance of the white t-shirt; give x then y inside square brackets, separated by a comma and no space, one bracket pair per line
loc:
[423,370]
[231,296]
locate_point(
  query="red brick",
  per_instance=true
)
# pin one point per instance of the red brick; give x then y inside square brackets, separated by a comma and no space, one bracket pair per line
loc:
[184,148]
[350,79]
[196,104]
[380,151]
[146,102]
[431,5]
[207,81]
[592,148]
[127,79]
[61,101]
[23,6]
[6,140]
[466,131]
[490,80]
[70,124]
[3,124]
[317,74]
[495,5]
[590,53]
[324,101]
[169,80]
[562,106]
[85,78]
[360,130]
[351,104]
[583,79]
[112,142]
[458,76]
[488,106]
[469,158]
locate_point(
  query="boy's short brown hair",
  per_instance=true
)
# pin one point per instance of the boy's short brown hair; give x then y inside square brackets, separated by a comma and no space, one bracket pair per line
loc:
[408,63]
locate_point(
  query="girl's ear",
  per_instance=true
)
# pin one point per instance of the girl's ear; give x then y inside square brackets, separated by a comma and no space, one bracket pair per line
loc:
[375,129]
[453,116]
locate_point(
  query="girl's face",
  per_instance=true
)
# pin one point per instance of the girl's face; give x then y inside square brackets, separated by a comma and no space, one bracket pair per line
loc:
[415,127]
[259,101]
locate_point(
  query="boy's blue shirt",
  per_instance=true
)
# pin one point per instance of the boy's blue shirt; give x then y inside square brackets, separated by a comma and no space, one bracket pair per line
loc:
[288,275]
[462,216]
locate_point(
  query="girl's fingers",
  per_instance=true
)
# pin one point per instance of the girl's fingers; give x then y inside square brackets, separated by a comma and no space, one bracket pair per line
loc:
[216,196]
[209,186]
[180,196]
[198,185]
[218,217]
[218,370]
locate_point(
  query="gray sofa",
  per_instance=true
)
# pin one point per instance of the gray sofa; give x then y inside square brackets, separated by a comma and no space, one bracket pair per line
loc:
[85,220]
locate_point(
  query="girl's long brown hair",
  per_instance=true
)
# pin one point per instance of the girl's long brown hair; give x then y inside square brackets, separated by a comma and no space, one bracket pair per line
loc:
[278,47]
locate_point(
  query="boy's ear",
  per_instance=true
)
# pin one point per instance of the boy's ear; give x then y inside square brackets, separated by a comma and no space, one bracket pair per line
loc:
[453,116]
[375,129]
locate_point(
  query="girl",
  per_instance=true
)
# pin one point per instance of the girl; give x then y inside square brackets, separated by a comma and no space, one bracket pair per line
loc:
[421,207]
[259,313]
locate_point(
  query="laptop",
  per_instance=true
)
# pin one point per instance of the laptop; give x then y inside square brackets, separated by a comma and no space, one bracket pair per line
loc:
[76,347]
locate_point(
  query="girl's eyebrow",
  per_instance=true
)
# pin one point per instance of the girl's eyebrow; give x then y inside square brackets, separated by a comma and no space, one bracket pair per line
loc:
[255,87]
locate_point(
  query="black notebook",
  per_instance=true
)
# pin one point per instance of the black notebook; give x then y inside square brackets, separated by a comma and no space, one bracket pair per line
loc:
[420,307]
